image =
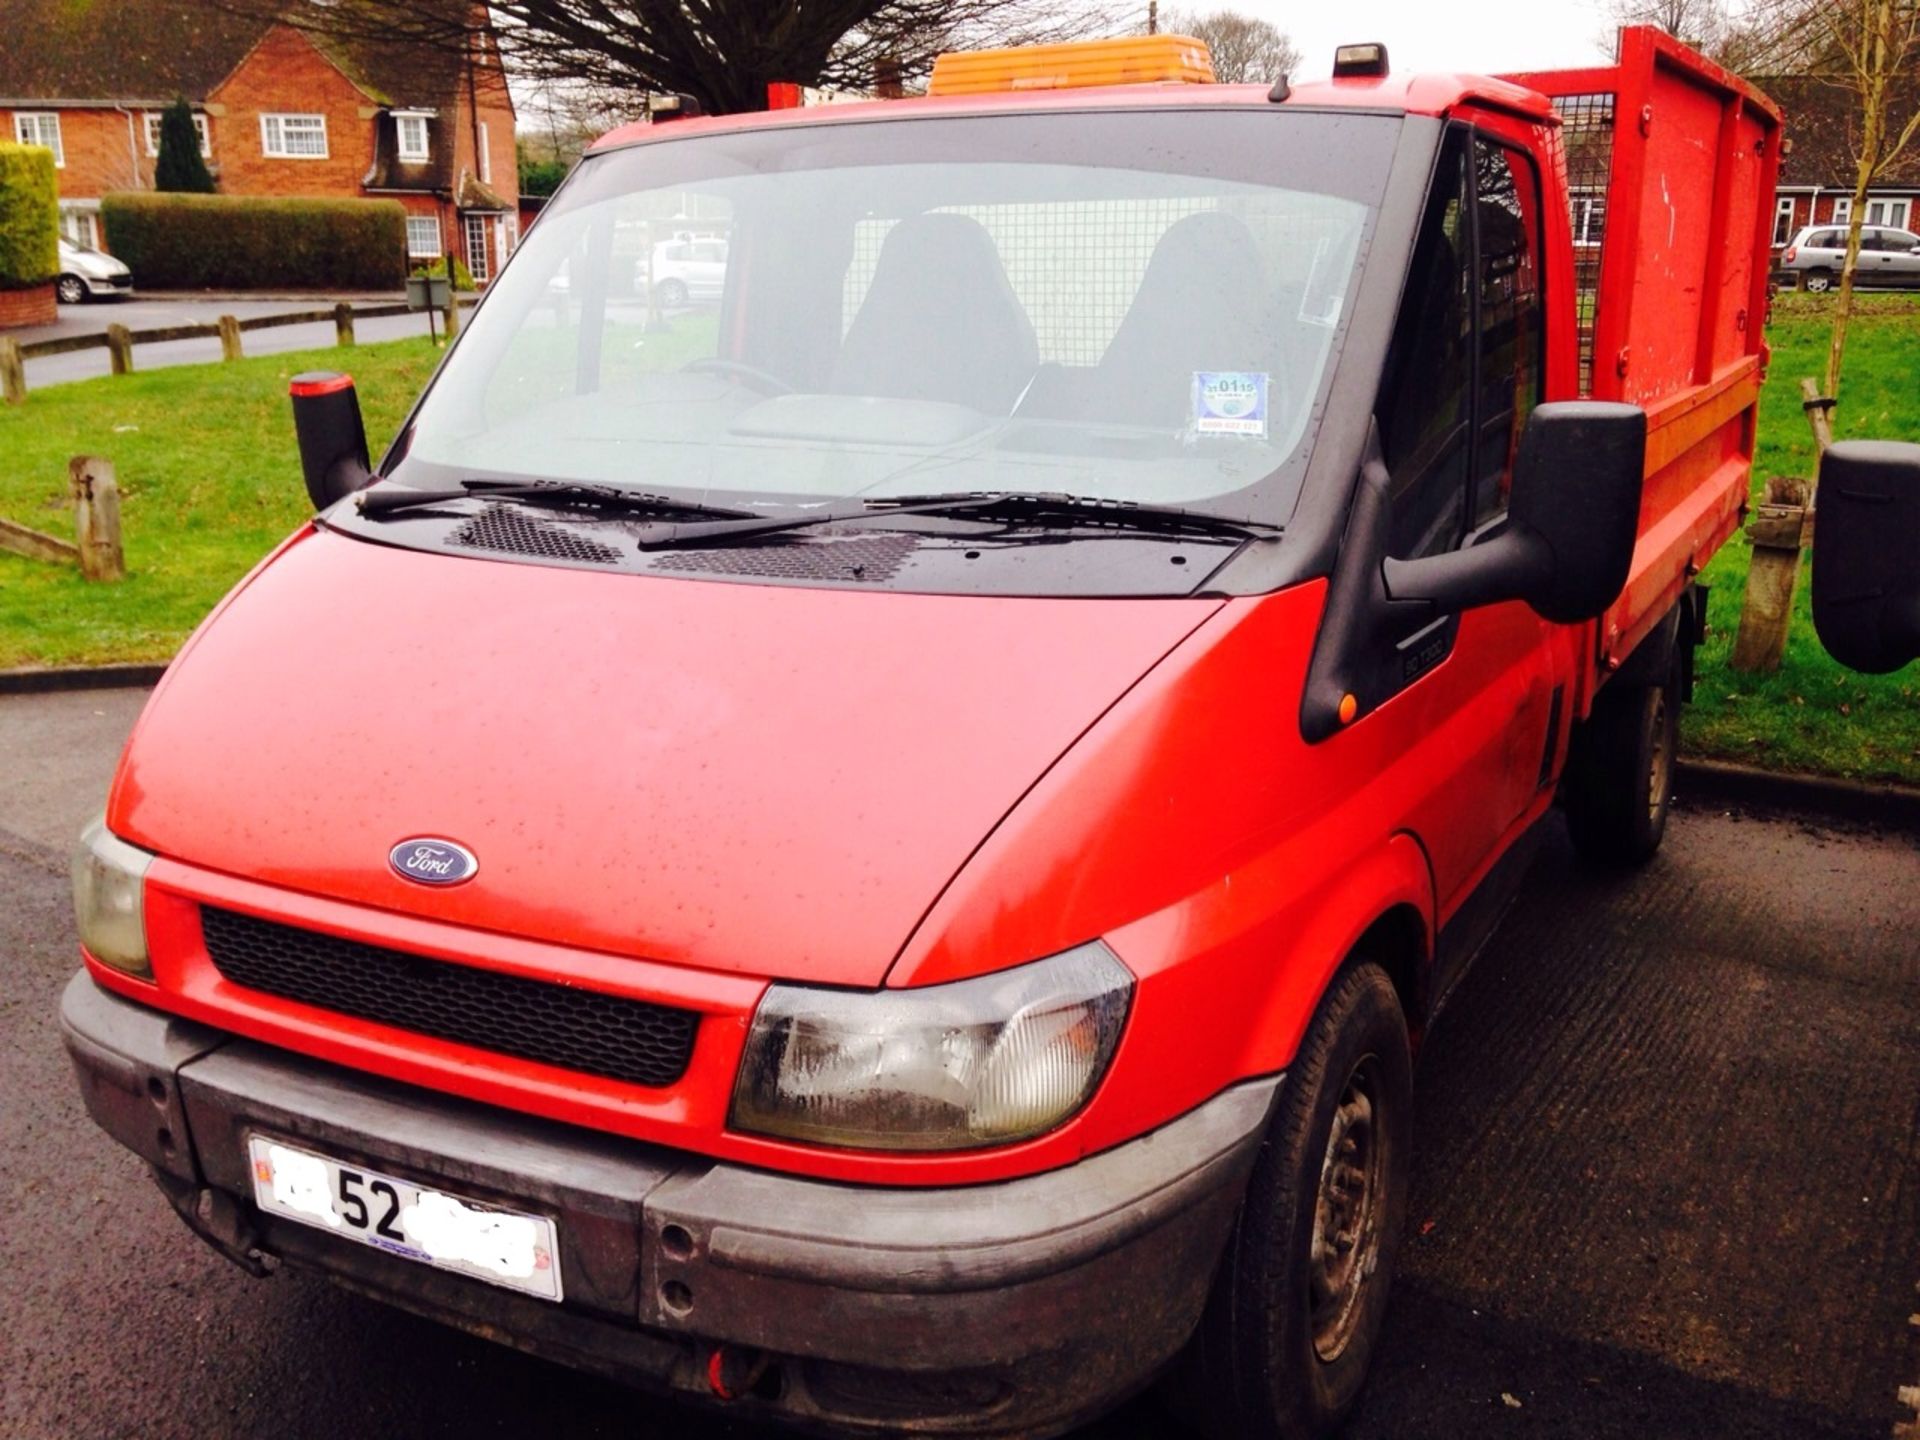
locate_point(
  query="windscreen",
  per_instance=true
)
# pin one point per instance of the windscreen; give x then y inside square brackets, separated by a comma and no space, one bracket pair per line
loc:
[1134,306]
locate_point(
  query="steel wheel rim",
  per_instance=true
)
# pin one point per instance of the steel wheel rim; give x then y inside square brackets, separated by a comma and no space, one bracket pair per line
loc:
[1661,768]
[1345,1248]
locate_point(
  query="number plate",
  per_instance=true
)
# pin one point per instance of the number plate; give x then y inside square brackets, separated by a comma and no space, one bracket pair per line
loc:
[445,1231]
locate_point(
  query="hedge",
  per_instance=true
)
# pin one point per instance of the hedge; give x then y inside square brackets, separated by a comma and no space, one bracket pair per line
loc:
[29,217]
[233,242]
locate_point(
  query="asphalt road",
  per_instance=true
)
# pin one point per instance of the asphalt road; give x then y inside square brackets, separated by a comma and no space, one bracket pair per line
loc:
[1667,1180]
[138,314]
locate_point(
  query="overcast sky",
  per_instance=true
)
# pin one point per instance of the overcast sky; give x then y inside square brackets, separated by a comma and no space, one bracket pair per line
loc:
[1482,36]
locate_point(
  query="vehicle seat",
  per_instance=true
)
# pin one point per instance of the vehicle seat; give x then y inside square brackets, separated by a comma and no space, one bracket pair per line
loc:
[940,321]
[1202,305]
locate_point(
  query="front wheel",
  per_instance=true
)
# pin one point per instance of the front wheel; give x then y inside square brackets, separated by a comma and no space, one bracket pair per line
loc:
[1296,1309]
[1818,282]
[70,289]
[672,294]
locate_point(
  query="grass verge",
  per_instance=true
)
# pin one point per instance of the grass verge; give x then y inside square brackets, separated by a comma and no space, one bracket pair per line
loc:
[1812,715]
[209,480]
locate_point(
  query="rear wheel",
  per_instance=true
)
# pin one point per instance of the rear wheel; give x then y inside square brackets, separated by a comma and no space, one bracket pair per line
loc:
[1297,1306]
[1619,782]
[672,294]
[1818,282]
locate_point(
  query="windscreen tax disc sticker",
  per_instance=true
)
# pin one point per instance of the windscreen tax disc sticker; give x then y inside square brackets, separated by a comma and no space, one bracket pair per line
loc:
[1230,402]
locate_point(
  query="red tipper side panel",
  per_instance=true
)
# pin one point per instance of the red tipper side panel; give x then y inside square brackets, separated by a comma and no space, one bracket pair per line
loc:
[1681,297]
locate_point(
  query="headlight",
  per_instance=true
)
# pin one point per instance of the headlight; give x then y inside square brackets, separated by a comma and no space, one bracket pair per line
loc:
[109,899]
[948,1067]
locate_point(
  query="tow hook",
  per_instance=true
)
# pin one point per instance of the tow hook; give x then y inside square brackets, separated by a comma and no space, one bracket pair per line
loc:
[221,1220]
[732,1372]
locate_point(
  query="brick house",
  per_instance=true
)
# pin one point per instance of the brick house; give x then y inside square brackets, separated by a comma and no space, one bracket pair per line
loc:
[281,110]
[1817,177]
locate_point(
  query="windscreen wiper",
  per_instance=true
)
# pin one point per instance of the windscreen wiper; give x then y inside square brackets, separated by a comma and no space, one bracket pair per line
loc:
[1012,506]
[383,501]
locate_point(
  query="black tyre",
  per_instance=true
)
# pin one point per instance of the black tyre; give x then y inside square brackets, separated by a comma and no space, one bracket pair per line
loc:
[1290,1327]
[70,290]
[1618,788]
[1818,282]
[672,294]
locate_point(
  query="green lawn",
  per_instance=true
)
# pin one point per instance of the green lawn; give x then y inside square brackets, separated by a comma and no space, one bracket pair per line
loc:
[1812,715]
[211,481]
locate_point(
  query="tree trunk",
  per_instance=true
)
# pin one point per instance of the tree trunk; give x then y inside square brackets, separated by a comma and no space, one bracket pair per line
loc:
[1873,120]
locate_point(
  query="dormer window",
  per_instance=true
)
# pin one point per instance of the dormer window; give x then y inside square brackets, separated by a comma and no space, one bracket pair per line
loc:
[412,132]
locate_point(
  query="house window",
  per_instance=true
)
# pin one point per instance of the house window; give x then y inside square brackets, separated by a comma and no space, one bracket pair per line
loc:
[423,237]
[80,227]
[1891,213]
[412,130]
[293,137]
[42,128]
[1783,220]
[486,160]
[1843,210]
[477,248]
[152,120]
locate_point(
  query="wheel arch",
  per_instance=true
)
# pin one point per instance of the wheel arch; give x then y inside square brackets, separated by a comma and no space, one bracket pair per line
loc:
[1381,909]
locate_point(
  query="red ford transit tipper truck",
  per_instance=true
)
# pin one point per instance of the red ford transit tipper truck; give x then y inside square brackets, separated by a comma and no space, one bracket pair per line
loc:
[881,850]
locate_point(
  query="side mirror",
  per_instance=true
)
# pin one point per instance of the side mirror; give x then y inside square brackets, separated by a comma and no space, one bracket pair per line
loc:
[1866,554]
[1571,523]
[333,440]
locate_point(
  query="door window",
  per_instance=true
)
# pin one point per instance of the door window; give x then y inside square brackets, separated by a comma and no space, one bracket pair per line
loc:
[1426,399]
[1510,356]
[477,248]
[1467,353]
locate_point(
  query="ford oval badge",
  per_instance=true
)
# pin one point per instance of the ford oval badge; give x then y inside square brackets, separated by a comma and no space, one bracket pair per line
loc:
[428,861]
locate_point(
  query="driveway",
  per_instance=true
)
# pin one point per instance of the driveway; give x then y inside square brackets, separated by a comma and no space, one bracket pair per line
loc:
[1666,1182]
[144,314]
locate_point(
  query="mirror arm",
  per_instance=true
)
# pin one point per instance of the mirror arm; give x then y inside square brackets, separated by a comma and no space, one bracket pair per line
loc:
[1505,566]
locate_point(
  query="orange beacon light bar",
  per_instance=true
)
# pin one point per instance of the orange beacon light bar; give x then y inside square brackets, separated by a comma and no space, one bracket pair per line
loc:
[1125,60]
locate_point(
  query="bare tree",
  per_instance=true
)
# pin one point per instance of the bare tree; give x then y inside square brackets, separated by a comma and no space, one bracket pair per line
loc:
[1703,24]
[1868,50]
[723,53]
[1243,47]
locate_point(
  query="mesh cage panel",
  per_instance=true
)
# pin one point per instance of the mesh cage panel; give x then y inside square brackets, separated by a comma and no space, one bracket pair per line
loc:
[1587,134]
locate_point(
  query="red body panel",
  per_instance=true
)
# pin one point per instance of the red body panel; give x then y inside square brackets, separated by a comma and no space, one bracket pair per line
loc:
[744,778]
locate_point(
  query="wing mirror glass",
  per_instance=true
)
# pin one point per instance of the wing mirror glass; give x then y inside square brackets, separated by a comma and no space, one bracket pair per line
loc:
[1866,554]
[333,439]
[1571,521]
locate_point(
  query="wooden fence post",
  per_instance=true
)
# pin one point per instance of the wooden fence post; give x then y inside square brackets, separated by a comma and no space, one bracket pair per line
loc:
[1779,529]
[343,324]
[230,338]
[120,349]
[1766,611]
[96,517]
[453,302]
[13,371]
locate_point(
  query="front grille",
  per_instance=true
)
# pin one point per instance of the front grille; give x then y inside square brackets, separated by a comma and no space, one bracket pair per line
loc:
[584,1030]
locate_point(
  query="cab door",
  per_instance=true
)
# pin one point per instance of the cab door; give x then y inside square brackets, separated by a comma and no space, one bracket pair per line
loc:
[1481,700]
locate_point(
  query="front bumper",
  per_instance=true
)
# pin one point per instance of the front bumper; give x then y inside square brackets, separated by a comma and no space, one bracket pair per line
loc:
[1021,1307]
[108,284]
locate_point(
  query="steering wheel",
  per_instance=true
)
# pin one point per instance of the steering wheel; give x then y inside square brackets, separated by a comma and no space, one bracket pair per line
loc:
[760,379]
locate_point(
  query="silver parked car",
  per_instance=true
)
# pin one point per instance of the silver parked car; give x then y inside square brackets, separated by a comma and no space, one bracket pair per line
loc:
[1889,258]
[86,273]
